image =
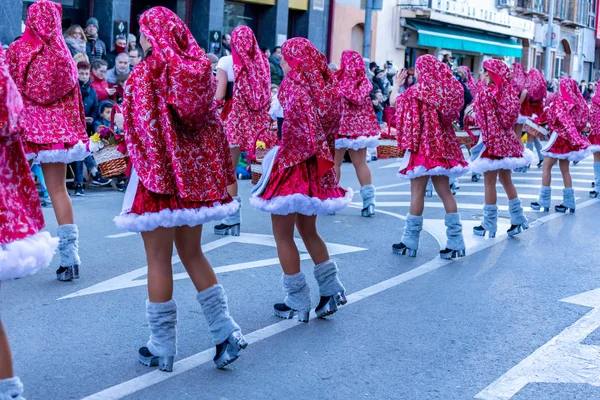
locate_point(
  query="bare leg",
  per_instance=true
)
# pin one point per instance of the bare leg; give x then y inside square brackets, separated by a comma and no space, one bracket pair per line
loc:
[442,188]
[54,174]
[6,368]
[547,170]
[597,157]
[307,227]
[417,195]
[566,174]
[235,157]
[519,131]
[506,181]
[187,242]
[159,250]
[359,160]
[283,231]
[339,159]
[489,183]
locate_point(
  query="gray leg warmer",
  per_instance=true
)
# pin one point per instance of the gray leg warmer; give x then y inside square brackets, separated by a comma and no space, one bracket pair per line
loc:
[214,305]
[597,175]
[454,232]
[490,217]
[11,389]
[68,245]
[367,193]
[235,218]
[569,198]
[529,146]
[412,231]
[162,321]
[516,212]
[326,275]
[298,292]
[538,148]
[545,197]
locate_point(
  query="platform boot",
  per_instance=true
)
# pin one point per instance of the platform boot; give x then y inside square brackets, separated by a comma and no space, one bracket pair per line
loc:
[162,346]
[231,224]
[518,220]
[410,238]
[297,300]
[596,184]
[455,246]
[544,200]
[568,202]
[331,290]
[68,248]
[227,335]
[489,223]
[367,193]
[11,389]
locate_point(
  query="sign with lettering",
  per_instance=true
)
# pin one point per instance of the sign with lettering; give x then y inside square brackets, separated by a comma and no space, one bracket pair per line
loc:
[464,9]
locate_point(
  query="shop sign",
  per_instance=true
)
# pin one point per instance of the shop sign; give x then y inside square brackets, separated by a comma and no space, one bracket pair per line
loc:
[465,8]
[214,42]
[120,28]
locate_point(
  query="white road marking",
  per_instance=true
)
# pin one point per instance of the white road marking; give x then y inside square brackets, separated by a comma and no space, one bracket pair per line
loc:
[561,360]
[152,378]
[120,235]
[433,204]
[557,172]
[130,279]
[475,194]
[529,186]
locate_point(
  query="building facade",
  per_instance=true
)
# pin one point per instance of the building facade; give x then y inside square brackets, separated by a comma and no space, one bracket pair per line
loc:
[273,21]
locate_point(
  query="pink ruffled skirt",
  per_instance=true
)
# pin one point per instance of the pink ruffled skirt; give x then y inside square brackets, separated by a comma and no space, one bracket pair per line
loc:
[560,148]
[416,165]
[65,153]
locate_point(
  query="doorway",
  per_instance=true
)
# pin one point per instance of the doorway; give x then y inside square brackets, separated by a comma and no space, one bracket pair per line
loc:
[183,9]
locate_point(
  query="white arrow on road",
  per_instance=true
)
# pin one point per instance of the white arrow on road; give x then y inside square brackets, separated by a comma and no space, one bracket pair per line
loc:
[562,360]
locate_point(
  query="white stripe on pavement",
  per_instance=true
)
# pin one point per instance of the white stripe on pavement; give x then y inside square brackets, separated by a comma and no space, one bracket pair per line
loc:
[526,186]
[120,235]
[476,194]
[433,204]
[152,378]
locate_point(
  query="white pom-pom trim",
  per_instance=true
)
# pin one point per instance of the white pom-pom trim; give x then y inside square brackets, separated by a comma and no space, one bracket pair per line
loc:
[361,142]
[64,156]
[420,170]
[174,218]
[26,256]
[481,165]
[302,204]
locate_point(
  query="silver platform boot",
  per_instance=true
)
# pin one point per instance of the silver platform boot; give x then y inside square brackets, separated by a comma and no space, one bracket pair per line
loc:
[455,246]
[331,290]
[231,225]
[410,238]
[544,200]
[68,248]
[568,202]
[11,389]
[489,223]
[518,220]
[367,193]
[162,346]
[227,335]
[297,300]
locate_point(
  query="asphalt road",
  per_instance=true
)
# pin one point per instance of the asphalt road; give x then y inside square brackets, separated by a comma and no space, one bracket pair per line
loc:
[414,328]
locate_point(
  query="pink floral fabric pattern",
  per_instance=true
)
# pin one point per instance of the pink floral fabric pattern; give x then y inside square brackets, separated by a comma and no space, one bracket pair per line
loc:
[567,116]
[518,78]
[594,136]
[472,84]
[424,115]
[249,115]
[536,86]
[358,118]
[46,76]
[174,133]
[20,210]
[496,111]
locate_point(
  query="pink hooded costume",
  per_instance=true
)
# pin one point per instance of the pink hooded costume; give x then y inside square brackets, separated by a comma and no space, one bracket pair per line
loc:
[23,247]
[46,76]
[174,134]
[359,128]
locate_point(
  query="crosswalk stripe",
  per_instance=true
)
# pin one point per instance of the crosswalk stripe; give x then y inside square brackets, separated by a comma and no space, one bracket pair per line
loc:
[465,193]
[433,204]
[526,186]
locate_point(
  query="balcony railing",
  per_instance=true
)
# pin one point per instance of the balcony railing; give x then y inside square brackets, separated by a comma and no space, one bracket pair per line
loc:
[414,3]
[535,6]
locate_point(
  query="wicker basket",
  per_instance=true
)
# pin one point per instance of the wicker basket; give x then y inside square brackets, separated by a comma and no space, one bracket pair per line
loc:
[466,139]
[388,148]
[256,169]
[111,162]
[535,130]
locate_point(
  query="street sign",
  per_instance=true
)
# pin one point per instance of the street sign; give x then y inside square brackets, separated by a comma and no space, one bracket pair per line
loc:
[214,42]
[120,28]
[555,36]
[377,5]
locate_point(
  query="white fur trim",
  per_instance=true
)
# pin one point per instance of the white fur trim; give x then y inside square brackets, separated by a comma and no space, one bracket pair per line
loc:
[361,142]
[26,256]
[302,204]
[75,153]
[594,148]
[481,165]
[521,120]
[572,156]
[420,170]
[174,218]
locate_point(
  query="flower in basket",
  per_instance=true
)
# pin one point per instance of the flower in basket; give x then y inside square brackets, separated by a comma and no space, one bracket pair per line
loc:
[261,145]
[96,143]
